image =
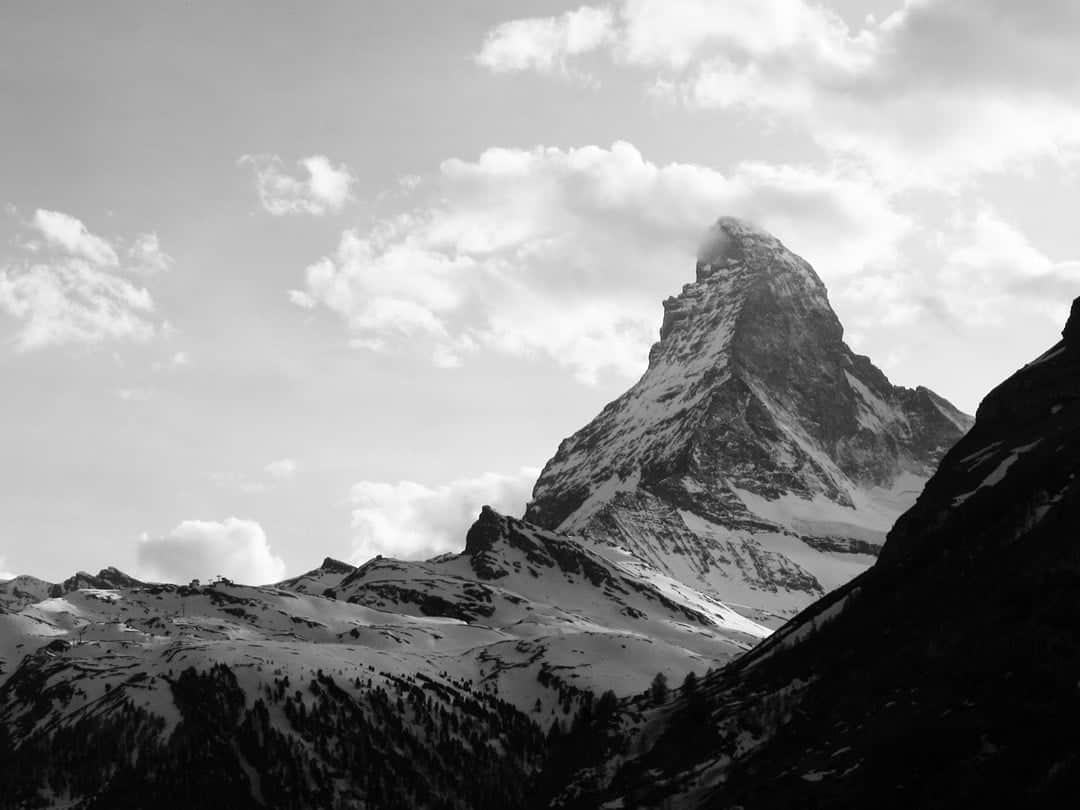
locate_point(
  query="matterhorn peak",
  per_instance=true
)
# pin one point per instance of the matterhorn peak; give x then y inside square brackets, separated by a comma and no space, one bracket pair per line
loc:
[758,457]
[727,240]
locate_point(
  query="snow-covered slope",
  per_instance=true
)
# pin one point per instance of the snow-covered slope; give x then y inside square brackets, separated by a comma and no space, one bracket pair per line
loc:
[601,624]
[318,580]
[758,458]
[494,644]
[26,590]
[236,696]
[23,590]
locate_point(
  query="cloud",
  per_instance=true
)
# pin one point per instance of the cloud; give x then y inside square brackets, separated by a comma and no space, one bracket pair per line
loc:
[282,469]
[975,271]
[326,188]
[73,302]
[412,521]
[73,289]
[567,253]
[200,549]
[932,94]
[146,256]
[71,235]
[984,252]
[178,360]
[236,482]
[5,575]
[544,44]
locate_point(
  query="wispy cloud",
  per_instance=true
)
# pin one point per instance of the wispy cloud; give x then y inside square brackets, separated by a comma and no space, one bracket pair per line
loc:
[275,472]
[237,482]
[146,256]
[282,469]
[66,232]
[178,360]
[325,188]
[73,287]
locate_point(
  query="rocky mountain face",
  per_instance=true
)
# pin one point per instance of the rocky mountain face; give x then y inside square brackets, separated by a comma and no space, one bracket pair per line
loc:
[26,590]
[944,676]
[758,458]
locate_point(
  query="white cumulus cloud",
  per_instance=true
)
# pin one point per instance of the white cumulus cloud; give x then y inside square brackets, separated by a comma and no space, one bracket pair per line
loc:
[407,520]
[201,549]
[66,232]
[936,92]
[544,44]
[568,253]
[74,288]
[325,188]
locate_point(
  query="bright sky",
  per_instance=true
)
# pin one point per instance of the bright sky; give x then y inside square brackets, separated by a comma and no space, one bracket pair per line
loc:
[281,283]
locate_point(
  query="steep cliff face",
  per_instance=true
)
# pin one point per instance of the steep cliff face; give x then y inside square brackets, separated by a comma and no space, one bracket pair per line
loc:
[944,676]
[758,457]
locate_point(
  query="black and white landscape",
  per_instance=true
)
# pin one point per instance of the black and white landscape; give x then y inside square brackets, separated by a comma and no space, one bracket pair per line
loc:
[613,509]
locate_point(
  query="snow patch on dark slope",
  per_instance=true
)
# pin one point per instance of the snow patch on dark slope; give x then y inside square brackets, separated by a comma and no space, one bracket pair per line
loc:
[758,458]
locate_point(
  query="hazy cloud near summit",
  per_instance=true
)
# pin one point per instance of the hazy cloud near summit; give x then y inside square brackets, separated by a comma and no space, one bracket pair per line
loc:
[202,549]
[411,521]
[567,253]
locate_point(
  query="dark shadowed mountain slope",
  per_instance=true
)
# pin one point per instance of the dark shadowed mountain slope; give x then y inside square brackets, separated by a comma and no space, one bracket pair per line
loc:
[945,676]
[758,458]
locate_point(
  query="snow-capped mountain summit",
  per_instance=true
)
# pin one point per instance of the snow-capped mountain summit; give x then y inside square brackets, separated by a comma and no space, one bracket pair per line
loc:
[758,457]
